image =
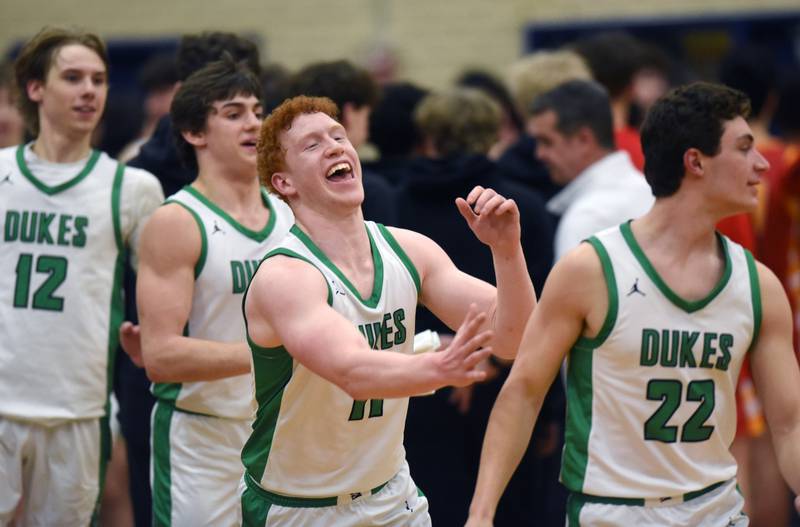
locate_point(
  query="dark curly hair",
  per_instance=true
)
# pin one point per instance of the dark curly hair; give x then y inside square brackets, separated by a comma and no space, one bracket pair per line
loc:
[691,116]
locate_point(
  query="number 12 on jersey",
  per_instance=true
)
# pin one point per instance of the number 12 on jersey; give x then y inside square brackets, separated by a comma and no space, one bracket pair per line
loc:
[44,298]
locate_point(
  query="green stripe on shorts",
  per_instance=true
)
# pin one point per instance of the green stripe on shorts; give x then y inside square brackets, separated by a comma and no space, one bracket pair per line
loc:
[162,480]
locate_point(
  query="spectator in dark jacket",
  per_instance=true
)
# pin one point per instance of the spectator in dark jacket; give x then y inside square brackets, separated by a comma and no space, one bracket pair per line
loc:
[445,431]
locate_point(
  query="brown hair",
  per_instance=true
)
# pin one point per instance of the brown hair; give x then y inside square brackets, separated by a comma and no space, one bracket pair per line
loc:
[271,154]
[36,58]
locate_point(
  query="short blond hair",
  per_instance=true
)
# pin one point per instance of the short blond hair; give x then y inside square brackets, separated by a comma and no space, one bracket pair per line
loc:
[534,74]
[459,120]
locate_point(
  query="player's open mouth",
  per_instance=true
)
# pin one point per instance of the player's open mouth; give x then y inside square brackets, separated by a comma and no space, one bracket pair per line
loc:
[250,145]
[340,172]
[85,110]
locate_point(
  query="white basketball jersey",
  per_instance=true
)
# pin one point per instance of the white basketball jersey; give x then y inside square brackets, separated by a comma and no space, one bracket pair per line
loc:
[229,256]
[60,288]
[310,439]
[651,411]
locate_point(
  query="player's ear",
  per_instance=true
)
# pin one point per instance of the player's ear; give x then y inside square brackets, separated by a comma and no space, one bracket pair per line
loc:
[34,89]
[194,138]
[282,183]
[693,161]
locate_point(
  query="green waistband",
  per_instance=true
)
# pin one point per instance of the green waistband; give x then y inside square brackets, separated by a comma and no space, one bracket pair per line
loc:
[588,498]
[293,501]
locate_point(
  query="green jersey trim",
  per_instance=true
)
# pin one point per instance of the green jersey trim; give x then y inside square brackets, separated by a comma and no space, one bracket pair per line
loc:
[377,261]
[613,298]
[294,501]
[47,189]
[755,292]
[258,236]
[272,370]
[686,305]
[580,499]
[291,254]
[412,270]
[201,260]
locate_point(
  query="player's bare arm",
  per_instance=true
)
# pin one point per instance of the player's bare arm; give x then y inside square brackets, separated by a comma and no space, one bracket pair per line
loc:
[169,249]
[448,292]
[569,308]
[777,377]
[287,305]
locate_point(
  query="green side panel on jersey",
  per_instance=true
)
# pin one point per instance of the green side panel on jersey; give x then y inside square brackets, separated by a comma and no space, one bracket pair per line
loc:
[412,270]
[272,370]
[50,190]
[117,304]
[291,254]
[258,236]
[377,261]
[162,477]
[201,260]
[755,292]
[672,296]
[580,384]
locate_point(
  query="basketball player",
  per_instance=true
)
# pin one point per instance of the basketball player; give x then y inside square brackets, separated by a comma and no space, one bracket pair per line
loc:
[67,214]
[656,316]
[330,316]
[198,253]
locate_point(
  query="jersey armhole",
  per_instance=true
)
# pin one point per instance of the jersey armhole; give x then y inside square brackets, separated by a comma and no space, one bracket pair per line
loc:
[201,261]
[755,294]
[613,299]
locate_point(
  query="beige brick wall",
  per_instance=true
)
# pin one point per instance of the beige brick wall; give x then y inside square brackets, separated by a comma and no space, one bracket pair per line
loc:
[435,38]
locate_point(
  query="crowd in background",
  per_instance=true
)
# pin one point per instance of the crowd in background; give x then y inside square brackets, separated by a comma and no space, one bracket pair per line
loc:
[559,135]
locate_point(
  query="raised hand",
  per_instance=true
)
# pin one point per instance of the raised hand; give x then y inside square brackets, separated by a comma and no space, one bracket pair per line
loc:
[458,363]
[131,341]
[493,218]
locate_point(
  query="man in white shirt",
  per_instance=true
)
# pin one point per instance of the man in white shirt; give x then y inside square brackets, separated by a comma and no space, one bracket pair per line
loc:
[574,133]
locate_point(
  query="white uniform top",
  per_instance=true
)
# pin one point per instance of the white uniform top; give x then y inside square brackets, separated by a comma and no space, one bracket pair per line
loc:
[64,229]
[310,439]
[651,411]
[229,256]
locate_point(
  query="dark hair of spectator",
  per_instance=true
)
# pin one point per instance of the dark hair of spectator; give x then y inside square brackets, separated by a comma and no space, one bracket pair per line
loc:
[35,59]
[495,89]
[197,50]
[274,85]
[158,73]
[692,116]
[339,81]
[578,104]
[218,81]
[787,114]
[614,57]
[391,124]
[750,70]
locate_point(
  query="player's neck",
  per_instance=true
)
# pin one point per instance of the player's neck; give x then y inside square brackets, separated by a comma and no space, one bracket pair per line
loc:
[59,147]
[670,223]
[234,195]
[343,238]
